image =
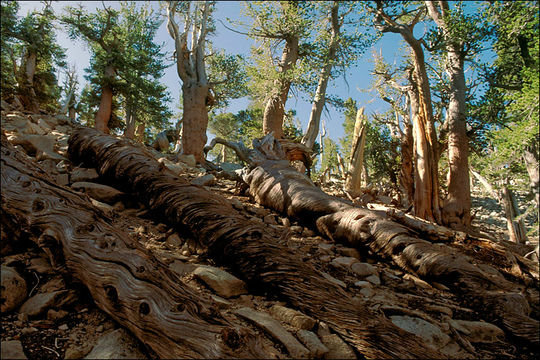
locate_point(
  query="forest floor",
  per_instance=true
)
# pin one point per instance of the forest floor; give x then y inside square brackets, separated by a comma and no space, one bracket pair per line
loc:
[57,318]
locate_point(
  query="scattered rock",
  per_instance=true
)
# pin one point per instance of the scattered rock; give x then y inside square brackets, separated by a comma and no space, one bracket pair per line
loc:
[374,279]
[76,352]
[13,289]
[230,166]
[431,334]
[322,328]
[344,262]
[28,330]
[270,219]
[237,204]
[106,208]
[83,174]
[293,317]
[362,284]
[189,160]
[34,129]
[364,269]
[297,229]
[56,315]
[99,192]
[367,291]
[312,342]
[181,268]
[42,146]
[274,328]
[417,281]
[337,348]
[286,222]
[62,179]
[12,350]
[221,302]
[350,252]
[63,327]
[116,344]
[223,283]
[38,303]
[173,241]
[478,331]
[205,180]
[326,248]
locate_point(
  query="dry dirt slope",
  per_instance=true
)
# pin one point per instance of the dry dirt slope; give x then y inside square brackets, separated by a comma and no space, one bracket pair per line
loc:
[47,316]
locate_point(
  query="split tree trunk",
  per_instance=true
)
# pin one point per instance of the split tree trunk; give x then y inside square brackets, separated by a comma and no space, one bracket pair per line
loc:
[353,183]
[125,280]
[129,131]
[249,248]
[516,227]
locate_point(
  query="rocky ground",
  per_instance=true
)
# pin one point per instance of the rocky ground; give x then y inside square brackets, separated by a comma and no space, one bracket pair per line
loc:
[45,316]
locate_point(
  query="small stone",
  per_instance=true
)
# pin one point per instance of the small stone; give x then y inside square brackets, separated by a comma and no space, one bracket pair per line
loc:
[479,331]
[274,328]
[237,204]
[431,334]
[367,292]
[223,283]
[40,265]
[187,159]
[63,327]
[337,348]
[99,192]
[322,328]
[326,248]
[364,269]
[13,289]
[181,268]
[38,303]
[99,328]
[119,206]
[205,180]
[62,167]
[221,302]
[116,344]
[374,279]
[418,282]
[293,317]
[12,349]
[173,241]
[186,253]
[76,352]
[297,229]
[312,342]
[344,262]
[286,222]
[334,280]
[28,330]
[106,208]
[326,258]
[56,315]
[350,252]
[83,174]
[270,219]
[362,284]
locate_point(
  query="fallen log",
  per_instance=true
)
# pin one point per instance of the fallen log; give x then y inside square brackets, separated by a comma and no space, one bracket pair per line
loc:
[124,279]
[275,184]
[250,249]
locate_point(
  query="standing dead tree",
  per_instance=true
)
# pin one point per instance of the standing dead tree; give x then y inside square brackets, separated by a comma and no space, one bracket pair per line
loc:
[125,280]
[246,246]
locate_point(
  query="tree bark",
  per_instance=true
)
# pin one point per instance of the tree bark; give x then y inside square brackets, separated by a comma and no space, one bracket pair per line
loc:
[129,131]
[353,183]
[195,119]
[246,246]
[456,211]
[516,228]
[125,280]
[274,110]
[406,173]
[530,157]
[320,94]
[29,98]
[104,112]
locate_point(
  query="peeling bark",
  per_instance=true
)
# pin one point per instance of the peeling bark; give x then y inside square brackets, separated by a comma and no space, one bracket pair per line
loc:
[246,246]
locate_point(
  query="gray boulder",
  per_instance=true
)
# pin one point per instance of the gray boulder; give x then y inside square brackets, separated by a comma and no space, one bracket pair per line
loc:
[13,289]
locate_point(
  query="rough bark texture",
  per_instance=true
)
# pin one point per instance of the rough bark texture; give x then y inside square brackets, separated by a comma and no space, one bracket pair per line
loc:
[456,212]
[353,182]
[320,94]
[530,156]
[406,173]
[250,249]
[195,119]
[103,114]
[279,186]
[125,280]
[516,227]
[274,110]
[129,131]
[29,98]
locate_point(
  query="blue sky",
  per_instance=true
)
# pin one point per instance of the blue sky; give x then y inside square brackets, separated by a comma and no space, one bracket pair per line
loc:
[358,76]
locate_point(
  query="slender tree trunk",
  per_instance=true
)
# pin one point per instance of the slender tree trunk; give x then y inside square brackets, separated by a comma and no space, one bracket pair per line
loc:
[274,110]
[530,156]
[139,133]
[516,228]
[406,174]
[320,94]
[353,184]
[129,131]
[104,112]
[195,119]
[71,113]
[29,97]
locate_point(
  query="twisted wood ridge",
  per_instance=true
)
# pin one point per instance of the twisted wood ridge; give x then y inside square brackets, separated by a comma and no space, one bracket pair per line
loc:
[249,248]
[125,280]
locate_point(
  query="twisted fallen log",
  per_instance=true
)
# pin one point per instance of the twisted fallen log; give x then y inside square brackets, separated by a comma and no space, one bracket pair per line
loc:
[279,186]
[250,249]
[124,279]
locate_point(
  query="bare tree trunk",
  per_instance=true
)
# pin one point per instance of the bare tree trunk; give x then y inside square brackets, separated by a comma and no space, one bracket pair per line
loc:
[530,157]
[406,174]
[456,212]
[516,228]
[129,131]
[71,113]
[139,133]
[103,114]
[195,119]
[246,246]
[320,94]
[29,98]
[274,110]
[353,184]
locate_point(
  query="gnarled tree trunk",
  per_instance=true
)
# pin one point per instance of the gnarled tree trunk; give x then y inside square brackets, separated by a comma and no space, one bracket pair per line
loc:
[29,98]
[353,183]
[104,112]
[246,246]
[125,280]
[129,131]
[195,119]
